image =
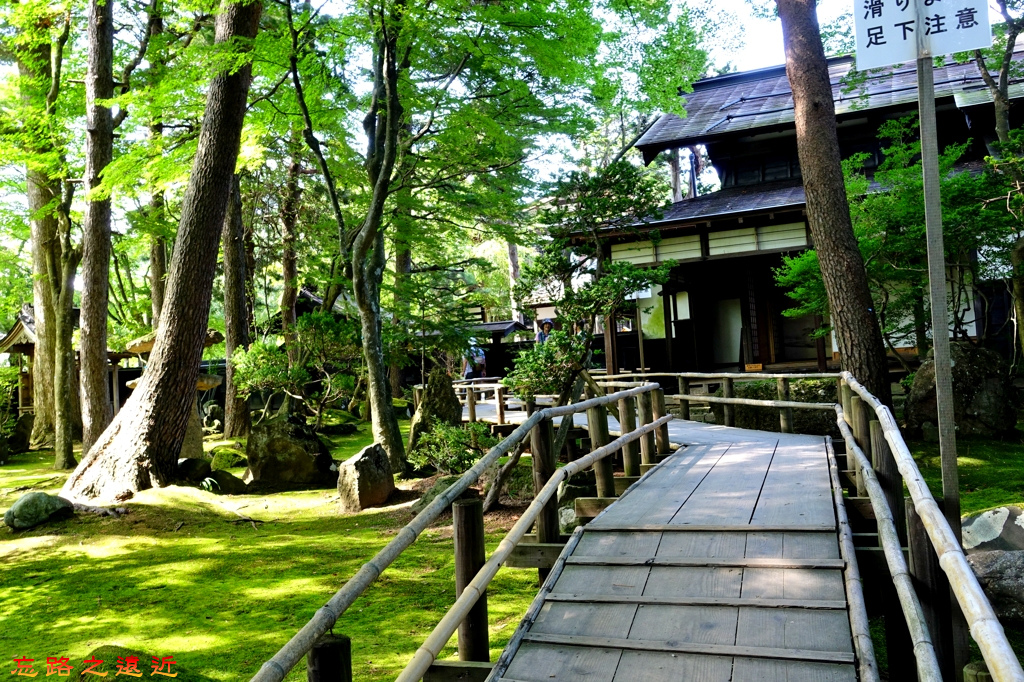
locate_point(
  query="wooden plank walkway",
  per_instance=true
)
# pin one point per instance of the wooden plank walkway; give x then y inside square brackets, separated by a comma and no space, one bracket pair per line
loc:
[722,563]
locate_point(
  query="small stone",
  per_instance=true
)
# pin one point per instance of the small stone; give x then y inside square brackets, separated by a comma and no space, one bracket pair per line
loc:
[35,508]
[226,483]
[192,469]
[567,520]
[365,479]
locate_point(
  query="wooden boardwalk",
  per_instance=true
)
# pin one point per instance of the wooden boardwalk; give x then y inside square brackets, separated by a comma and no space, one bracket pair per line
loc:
[722,563]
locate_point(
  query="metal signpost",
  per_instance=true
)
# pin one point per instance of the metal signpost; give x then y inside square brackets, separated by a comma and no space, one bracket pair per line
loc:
[895,32]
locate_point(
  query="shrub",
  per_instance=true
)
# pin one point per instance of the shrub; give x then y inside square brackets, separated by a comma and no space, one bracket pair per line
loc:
[814,422]
[452,449]
[9,377]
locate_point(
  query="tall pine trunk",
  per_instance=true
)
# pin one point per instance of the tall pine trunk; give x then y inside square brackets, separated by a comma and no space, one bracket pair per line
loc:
[236,317]
[140,447]
[62,266]
[861,348]
[97,410]
[289,261]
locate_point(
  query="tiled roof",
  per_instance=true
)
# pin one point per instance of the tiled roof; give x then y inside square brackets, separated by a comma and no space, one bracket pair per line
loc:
[735,201]
[762,99]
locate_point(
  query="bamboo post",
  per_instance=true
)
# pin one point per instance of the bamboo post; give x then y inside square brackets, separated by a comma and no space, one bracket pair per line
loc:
[542,448]
[730,411]
[468,529]
[684,405]
[499,399]
[845,393]
[645,415]
[934,591]
[785,413]
[859,425]
[597,424]
[627,423]
[889,477]
[330,659]
[471,403]
[661,434]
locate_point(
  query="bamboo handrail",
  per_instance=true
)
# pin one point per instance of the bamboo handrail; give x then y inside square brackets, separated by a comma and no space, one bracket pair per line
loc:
[859,625]
[924,648]
[698,398]
[752,376]
[275,669]
[447,626]
[981,618]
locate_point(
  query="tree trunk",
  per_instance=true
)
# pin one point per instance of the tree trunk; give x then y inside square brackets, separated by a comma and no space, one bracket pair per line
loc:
[62,279]
[402,224]
[513,279]
[289,262]
[140,447]
[236,318]
[157,259]
[97,410]
[861,348]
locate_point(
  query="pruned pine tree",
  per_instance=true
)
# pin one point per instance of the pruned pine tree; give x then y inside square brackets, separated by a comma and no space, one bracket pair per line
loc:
[140,447]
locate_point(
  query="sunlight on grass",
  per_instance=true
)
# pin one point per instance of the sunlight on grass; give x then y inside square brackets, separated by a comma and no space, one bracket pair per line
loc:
[184,574]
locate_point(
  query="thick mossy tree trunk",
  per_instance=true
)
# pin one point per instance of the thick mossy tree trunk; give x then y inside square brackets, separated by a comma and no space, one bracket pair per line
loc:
[236,318]
[97,410]
[140,447]
[828,213]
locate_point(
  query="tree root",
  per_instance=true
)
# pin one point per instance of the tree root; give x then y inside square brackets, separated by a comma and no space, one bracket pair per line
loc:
[116,512]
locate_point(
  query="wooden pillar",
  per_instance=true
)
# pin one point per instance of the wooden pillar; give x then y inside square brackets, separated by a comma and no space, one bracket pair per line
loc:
[499,397]
[859,425]
[937,602]
[889,478]
[471,402]
[785,413]
[597,424]
[845,394]
[330,659]
[661,433]
[730,410]
[627,423]
[645,415]
[684,405]
[468,528]
[116,385]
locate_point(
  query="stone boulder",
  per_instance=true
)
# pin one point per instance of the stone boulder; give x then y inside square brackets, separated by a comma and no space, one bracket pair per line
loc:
[35,508]
[340,429]
[439,405]
[213,415]
[285,451]
[1001,575]
[999,528]
[226,483]
[193,469]
[365,479]
[227,457]
[984,401]
[20,438]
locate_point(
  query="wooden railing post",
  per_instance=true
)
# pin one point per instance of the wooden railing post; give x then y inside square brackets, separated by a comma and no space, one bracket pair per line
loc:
[785,413]
[499,398]
[417,397]
[627,423]
[645,415]
[330,659]
[661,433]
[730,410]
[542,449]
[471,402]
[597,424]
[889,477]
[845,393]
[934,592]
[468,529]
[684,405]
[858,421]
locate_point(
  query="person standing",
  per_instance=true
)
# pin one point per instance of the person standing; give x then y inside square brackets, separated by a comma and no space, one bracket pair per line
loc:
[545,330]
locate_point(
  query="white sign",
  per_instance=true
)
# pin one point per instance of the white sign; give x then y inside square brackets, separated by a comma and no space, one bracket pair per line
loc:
[899,31]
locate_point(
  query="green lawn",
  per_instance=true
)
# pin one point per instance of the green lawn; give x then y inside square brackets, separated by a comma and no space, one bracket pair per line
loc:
[184,575]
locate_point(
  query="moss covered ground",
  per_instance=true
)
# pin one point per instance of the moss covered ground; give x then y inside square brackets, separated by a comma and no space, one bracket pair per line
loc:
[184,574]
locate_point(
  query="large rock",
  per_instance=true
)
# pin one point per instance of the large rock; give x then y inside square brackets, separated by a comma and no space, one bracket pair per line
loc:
[999,528]
[227,457]
[193,469]
[226,483]
[284,450]
[20,438]
[365,479]
[1001,574]
[984,402]
[36,508]
[439,405]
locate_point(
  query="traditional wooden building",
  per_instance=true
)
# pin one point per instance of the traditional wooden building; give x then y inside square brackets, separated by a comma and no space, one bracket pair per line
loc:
[722,308]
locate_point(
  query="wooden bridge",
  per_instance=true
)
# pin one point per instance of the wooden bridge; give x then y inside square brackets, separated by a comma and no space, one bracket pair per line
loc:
[730,559]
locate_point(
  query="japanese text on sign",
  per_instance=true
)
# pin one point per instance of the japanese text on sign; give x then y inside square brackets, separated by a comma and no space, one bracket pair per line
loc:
[889,31]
